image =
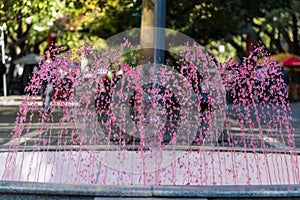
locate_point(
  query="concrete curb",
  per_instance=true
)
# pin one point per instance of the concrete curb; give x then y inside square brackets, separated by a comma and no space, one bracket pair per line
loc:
[32,190]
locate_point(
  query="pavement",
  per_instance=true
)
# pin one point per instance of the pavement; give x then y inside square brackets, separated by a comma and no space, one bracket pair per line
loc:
[10,106]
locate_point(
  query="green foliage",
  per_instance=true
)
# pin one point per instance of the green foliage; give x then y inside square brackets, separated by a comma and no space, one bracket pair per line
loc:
[210,22]
[228,21]
[117,16]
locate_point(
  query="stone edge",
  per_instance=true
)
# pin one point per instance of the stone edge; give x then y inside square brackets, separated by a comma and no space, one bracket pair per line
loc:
[234,191]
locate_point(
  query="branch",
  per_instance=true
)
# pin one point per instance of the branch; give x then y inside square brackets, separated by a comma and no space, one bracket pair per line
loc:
[21,37]
[239,49]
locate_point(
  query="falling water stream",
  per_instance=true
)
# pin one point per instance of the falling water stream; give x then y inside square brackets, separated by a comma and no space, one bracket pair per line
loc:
[189,121]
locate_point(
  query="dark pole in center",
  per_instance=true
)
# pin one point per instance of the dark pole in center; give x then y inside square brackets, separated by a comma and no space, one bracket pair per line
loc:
[159,34]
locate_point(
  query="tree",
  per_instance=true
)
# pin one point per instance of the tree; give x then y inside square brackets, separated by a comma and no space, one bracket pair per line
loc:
[147,37]
[273,22]
[231,21]
[30,22]
[115,16]
[17,29]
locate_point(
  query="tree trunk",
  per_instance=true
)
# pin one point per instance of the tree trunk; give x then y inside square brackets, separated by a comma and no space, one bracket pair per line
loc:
[147,35]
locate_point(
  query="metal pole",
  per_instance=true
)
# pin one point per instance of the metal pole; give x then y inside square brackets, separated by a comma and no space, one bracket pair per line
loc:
[3,61]
[159,35]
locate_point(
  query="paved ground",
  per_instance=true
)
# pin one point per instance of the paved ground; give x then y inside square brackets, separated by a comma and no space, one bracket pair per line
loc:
[9,108]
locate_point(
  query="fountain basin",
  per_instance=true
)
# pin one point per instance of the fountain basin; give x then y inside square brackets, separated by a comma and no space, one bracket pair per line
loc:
[166,167]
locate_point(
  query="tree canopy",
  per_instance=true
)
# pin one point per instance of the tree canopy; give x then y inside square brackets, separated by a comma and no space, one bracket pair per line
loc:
[274,23]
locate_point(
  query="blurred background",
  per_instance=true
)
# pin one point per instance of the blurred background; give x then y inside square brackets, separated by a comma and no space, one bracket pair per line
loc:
[226,28]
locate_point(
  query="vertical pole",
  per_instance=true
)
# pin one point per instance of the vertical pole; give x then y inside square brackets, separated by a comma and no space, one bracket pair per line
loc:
[3,60]
[159,35]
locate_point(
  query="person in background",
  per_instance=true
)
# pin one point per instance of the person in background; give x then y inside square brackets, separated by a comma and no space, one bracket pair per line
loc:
[47,85]
[2,72]
[2,68]
[286,82]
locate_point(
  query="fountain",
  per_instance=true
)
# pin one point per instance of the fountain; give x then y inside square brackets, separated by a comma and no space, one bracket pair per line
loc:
[190,121]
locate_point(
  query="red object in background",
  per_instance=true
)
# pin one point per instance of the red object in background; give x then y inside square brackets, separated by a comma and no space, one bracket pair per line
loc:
[250,42]
[291,61]
[51,40]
